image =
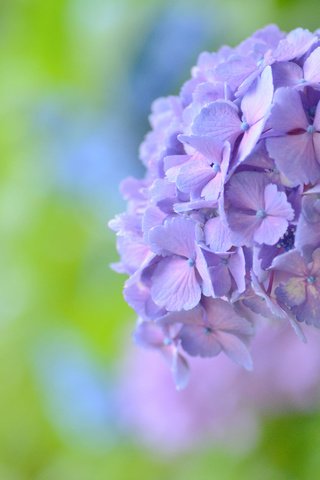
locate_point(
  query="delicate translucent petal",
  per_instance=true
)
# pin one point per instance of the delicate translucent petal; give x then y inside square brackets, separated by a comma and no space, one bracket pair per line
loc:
[271,230]
[148,334]
[243,227]
[286,74]
[152,217]
[256,102]
[287,113]
[235,349]
[197,341]
[237,267]
[249,141]
[309,312]
[316,122]
[212,190]
[202,269]
[246,190]
[235,70]
[221,280]
[295,157]
[276,203]
[290,262]
[193,205]
[174,285]
[220,120]
[209,147]
[311,67]
[180,371]
[294,45]
[293,292]
[217,235]
[194,175]
[316,263]
[222,316]
[208,92]
[272,305]
[177,236]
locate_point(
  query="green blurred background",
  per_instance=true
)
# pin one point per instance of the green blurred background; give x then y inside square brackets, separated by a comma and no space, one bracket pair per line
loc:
[77,78]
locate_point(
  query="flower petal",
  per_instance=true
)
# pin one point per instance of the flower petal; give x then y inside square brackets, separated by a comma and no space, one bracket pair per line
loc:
[176,236]
[287,112]
[311,67]
[180,371]
[174,284]
[235,349]
[256,102]
[194,175]
[295,157]
[276,203]
[198,341]
[217,235]
[290,262]
[221,280]
[220,120]
[294,45]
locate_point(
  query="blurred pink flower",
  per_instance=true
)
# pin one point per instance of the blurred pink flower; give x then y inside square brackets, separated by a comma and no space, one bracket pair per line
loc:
[223,403]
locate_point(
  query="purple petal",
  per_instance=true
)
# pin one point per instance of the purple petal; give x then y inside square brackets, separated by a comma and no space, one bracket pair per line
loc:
[220,120]
[235,70]
[276,203]
[184,207]
[180,371]
[307,234]
[294,45]
[273,307]
[194,175]
[287,112]
[249,141]
[292,293]
[237,267]
[256,102]
[295,157]
[197,340]
[316,262]
[221,280]
[175,285]
[311,67]
[246,190]
[177,236]
[290,262]
[208,92]
[286,74]
[203,271]
[222,316]
[270,230]
[207,146]
[235,349]
[149,335]
[133,253]
[217,235]
[316,122]
[152,217]
[309,312]
[243,227]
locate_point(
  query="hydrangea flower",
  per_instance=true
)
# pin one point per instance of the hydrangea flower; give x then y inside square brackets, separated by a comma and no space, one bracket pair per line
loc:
[224,404]
[224,227]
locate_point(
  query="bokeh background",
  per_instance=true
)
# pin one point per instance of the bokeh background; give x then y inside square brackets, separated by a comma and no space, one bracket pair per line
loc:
[76,83]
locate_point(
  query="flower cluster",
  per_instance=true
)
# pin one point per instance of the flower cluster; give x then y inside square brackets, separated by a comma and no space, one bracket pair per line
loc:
[225,226]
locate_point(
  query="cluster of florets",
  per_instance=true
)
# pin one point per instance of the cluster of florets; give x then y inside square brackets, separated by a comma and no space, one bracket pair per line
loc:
[225,226]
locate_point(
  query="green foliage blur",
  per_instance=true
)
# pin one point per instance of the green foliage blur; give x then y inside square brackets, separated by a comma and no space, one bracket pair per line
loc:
[56,249]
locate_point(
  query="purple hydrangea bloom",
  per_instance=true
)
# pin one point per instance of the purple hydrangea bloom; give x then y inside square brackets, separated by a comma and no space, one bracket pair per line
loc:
[225,225]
